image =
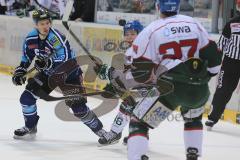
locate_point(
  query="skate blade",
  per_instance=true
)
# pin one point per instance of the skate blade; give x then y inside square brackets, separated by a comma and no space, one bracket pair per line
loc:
[112,143]
[28,137]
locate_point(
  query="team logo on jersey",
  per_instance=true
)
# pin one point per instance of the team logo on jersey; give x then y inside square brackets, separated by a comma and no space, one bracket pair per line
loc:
[55,42]
[180,29]
[235,27]
[195,65]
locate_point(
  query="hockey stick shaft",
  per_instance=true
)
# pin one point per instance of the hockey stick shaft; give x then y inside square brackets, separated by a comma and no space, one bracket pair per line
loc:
[43,95]
[65,19]
[81,44]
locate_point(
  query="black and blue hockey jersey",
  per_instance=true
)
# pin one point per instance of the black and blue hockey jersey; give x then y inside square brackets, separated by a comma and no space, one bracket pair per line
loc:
[55,43]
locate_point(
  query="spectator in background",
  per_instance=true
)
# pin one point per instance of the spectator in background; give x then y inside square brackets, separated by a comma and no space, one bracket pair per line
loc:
[3,7]
[56,6]
[106,5]
[10,7]
[137,6]
[186,6]
[204,4]
[83,10]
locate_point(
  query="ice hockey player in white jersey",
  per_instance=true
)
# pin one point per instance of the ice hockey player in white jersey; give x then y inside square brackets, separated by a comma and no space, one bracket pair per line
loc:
[131,29]
[175,56]
[181,49]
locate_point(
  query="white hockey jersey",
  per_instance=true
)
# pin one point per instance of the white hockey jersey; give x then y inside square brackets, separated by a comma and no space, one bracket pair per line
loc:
[169,41]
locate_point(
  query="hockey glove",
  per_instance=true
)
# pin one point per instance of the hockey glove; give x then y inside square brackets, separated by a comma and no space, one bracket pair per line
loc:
[104,72]
[42,64]
[18,76]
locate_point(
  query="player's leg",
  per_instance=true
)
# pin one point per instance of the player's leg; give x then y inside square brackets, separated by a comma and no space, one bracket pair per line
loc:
[227,83]
[28,102]
[120,121]
[193,132]
[74,85]
[137,140]
[149,112]
[88,117]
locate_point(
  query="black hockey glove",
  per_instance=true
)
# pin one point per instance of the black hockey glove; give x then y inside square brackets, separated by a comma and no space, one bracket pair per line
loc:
[18,76]
[42,64]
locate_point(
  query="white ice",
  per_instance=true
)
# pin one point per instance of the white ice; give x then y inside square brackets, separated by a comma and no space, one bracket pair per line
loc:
[59,140]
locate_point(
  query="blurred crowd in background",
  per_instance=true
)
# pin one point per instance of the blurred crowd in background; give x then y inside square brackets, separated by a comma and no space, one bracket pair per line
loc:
[84,9]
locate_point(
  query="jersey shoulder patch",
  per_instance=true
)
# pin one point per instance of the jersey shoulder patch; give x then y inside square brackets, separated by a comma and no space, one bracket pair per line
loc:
[54,39]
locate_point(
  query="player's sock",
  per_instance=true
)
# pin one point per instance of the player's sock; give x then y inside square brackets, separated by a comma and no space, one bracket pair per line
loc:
[137,148]
[193,140]
[120,121]
[88,117]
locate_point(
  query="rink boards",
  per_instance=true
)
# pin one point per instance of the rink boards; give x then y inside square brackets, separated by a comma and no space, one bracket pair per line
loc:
[103,41]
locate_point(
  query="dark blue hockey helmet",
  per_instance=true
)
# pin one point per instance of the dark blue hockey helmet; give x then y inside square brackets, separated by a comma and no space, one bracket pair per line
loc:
[171,6]
[133,25]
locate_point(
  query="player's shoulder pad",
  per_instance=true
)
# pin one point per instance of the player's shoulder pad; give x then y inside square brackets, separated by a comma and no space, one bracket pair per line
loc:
[32,34]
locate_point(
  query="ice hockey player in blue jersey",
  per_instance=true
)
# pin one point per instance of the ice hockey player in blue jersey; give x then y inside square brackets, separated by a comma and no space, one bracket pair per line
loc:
[49,49]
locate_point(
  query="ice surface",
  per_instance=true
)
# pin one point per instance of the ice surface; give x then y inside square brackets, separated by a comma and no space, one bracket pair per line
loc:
[60,140]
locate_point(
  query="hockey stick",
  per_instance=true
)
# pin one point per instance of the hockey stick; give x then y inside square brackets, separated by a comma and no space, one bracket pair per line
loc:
[66,25]
[43,7]
[43,95]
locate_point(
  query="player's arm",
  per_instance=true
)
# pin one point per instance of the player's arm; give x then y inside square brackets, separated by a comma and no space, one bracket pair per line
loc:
[209,52]
[26,60]
[28,55]
[224,38]
[136,51]
[213,56]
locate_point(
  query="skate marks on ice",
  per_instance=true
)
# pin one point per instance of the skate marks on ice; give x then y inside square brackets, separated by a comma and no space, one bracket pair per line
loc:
[119,150]
[226,129]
